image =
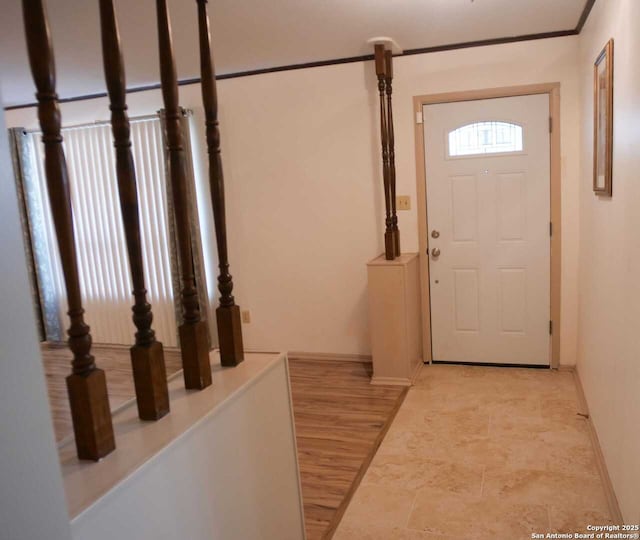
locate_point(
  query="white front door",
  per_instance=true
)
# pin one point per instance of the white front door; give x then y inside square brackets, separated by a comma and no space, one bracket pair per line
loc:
[488,218]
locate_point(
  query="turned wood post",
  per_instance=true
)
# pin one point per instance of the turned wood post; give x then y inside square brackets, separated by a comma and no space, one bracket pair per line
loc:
[389,249]
[147,356]
[388,57]
[87,385]
[228,313]
[193,332]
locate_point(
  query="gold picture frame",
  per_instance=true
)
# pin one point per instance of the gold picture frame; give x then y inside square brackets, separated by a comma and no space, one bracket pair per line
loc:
[603,121]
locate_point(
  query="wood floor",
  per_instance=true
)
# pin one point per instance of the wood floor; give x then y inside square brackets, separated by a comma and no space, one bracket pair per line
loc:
[116,363]
[340,421]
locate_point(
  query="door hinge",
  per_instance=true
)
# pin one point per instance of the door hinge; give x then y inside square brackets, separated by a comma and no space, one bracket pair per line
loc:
[550,228]
[419,118]
[551,328]
[550,124]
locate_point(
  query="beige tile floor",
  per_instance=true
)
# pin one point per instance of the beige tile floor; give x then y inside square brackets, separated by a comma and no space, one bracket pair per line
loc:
[481,453]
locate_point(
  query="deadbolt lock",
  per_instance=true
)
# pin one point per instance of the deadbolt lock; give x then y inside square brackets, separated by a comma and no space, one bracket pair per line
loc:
[435,234]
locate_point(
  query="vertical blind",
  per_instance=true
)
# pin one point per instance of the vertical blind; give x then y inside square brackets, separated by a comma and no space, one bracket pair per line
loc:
[105,279]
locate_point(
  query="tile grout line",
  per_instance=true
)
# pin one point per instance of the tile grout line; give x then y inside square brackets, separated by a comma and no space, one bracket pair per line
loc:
[413,505]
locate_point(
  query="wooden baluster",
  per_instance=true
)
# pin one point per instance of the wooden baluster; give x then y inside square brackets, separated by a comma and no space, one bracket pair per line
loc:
[147,356]
[87,385]
[388,57]
[228,313]
[193,332]
[389,247]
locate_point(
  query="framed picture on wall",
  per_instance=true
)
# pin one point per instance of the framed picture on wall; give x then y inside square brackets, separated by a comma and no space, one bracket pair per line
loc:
[603,121]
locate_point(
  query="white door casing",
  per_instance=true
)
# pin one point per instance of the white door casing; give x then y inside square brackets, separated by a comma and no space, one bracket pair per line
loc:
[490,284]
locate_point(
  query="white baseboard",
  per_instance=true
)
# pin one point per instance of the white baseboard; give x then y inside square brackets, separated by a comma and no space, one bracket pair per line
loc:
[612,500]
[566,367]
[337,357]
[398,381]
[390,381]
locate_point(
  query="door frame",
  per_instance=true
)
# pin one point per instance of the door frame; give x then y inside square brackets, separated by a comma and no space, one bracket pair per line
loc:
[553,91]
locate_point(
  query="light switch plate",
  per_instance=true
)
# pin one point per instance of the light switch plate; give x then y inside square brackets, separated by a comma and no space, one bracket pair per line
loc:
[246,316]
[403,202]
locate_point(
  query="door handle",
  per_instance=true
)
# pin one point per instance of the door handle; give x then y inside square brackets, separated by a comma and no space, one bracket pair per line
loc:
[435,253]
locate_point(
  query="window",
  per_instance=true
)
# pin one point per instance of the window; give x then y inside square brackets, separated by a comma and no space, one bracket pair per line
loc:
[103,266]
[485,138]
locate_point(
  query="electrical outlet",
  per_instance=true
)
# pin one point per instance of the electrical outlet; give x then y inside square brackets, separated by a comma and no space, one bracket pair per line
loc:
[246,316]
[403,202]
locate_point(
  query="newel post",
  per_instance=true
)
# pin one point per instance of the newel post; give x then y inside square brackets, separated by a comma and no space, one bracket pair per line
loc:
[388,58]
[147,356]
[389,243]
[87,385]
[228,313]
[193,332]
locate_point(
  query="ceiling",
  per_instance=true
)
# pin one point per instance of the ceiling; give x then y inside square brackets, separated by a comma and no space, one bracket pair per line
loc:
[257,34]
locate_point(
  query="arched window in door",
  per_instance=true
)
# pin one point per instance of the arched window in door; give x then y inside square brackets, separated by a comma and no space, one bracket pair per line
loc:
[485,138]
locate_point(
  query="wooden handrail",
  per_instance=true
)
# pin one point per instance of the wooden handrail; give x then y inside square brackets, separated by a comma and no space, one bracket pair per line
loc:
[193,332]
[147,355]
[86,385]
[228,313]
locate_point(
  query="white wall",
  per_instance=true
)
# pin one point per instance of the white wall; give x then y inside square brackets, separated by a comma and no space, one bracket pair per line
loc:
[609,311]
[231,475]
[32,502]
[302,161]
